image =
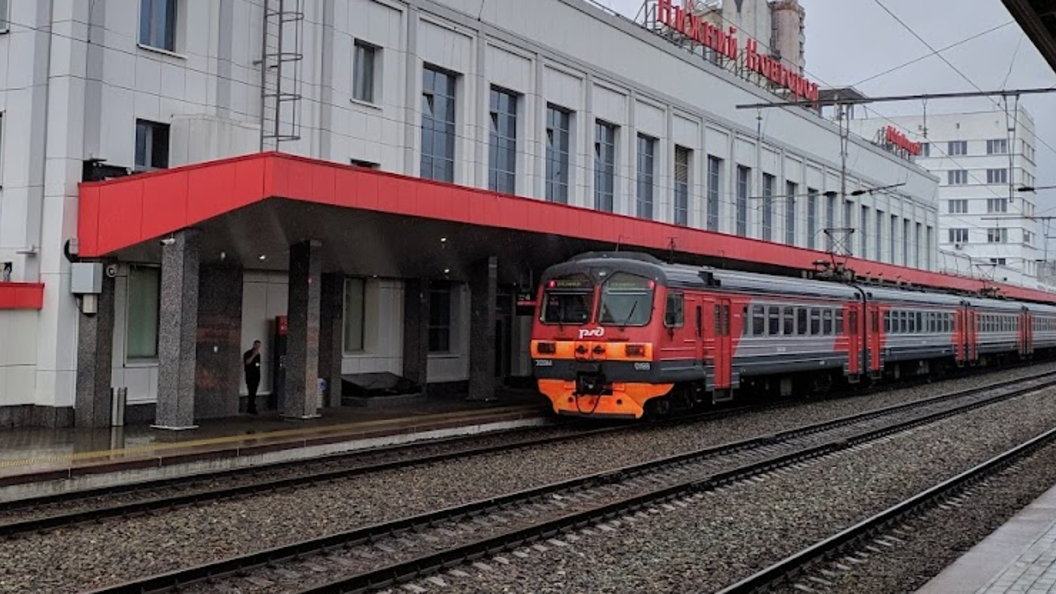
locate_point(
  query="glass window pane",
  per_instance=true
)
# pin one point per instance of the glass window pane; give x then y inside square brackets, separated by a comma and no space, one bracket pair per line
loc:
[144,306]
[353,315]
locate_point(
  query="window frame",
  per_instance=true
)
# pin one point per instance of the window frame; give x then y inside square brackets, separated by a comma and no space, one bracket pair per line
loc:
[683,170]
[554,138]
[437,288]
[645,182]
[360,48]
[147,10]
[5,16]
[502,140]
[131,300]
[679,298]
[768,206]
[439,124]
[714,191]
[744,190]
[151,128]
[347,287]
[606,135]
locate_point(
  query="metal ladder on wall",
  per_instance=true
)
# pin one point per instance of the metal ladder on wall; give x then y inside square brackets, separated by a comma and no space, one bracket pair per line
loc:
[281,66]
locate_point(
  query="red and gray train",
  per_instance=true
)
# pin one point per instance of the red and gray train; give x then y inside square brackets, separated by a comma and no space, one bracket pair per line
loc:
[623,334]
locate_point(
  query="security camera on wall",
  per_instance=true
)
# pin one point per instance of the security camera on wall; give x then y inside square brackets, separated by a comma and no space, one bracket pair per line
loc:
[111,271]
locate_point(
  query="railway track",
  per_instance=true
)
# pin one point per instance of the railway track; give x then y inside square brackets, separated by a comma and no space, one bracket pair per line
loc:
[420,547]
[199,489]
[816,567]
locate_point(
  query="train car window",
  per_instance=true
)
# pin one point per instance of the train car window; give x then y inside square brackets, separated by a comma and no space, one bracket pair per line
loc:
[773,316]
[674,314]
[724,320]
[839,322]
[568,300]
[826,319]
[758,320]
[887,322]
[903,322]
[700,321]
[815,321]
[912,323]
[745,325]
[801,321]
[626,300]
[932,323]
[789,315]
[920,321]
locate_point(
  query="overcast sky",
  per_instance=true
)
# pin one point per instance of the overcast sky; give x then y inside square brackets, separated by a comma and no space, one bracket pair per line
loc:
[849,41]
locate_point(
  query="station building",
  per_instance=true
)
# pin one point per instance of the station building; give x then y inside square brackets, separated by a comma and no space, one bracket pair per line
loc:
[378,183]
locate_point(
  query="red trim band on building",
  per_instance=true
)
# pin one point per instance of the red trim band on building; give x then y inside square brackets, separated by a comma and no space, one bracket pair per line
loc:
[124,212]
[21,296]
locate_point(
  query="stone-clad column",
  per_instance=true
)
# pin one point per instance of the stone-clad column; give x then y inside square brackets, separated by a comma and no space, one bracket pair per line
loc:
[302,346]
[330,336]
[95,346]
[483,294]
[218,367]
[178,332]
[416,331]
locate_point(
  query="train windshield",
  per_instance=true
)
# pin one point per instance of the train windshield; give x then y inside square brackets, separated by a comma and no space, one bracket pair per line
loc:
[626,300]
[568,300]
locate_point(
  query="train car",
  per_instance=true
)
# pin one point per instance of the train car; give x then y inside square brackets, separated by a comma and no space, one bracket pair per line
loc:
[623,334]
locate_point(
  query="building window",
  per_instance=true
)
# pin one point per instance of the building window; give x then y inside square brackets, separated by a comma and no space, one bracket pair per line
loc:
[604,165]
[2,137]
[768,207]
[353,315]
[439,317]
[646,175]
[157,24]
[144,307]
[905,242]
[997,176]
[683,157]
[879,235]
[363,164]
[558,124]
[925,149]
[812,217]
[5,23]
[848,221]
[958,235]
[997,147]
[830,217]
[438,125]
[996,205]
[999,261]
[959,206]
[956,148]
[957,177]
[1028,238]
[363,62]
[502,171]
[919,240]
[997,235]
[863,229]
[790,212]
[714,191]
[894,236]
[152,145]
[744,187]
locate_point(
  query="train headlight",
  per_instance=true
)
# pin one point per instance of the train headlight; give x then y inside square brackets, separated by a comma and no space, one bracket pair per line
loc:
[547,348]
[634,350]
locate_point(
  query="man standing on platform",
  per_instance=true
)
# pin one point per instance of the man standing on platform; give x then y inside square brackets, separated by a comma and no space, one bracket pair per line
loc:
[251,361]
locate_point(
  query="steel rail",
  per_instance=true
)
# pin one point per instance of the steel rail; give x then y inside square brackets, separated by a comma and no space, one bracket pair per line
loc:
[795,564]
[181,500]
[428,563]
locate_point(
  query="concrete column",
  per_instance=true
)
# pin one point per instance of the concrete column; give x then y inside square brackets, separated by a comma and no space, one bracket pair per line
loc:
[330,336]
[178,332]
[302,347]
[483,294]
[416,331]
[218,367]
[95,345]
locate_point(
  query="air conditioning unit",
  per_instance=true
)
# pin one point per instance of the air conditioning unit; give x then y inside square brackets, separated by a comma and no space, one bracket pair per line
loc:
[958,246]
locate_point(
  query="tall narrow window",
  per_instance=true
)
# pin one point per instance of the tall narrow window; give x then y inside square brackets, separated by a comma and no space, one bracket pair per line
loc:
[905,241]
[5,23]
[439,317]
[152,145]
[744,188]
[863,228]
[812,217]
[830,216]
[997,147]
[957,177]
[768,207]
[790,212]
[919,237]
[363,71]
[144,306]
[958,235]
[894,237]
[879,218]
[646,175]
[714,191]
[955,148]
[353,315]
[996,205]
[997,176]
[438,125]
[157,24]
[683,157]
[502,158]
[2,138]
[604,165]
[558,124]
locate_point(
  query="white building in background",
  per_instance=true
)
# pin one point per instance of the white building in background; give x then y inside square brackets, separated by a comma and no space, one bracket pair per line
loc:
[552,100]
[981,159]
[778,25]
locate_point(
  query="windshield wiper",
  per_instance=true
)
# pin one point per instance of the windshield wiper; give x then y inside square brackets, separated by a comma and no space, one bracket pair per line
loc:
[629,314]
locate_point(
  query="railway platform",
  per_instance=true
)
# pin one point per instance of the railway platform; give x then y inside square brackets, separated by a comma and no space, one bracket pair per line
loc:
[1018,558]
[36,462]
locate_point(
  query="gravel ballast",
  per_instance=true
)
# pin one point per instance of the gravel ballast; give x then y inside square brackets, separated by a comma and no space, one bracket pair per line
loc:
[725,536]
[91,556]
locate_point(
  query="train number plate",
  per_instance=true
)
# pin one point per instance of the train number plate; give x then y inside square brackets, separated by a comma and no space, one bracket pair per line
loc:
[643,366]
[544,363]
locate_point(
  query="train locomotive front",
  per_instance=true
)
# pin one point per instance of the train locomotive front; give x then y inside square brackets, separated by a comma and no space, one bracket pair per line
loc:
[595,338]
